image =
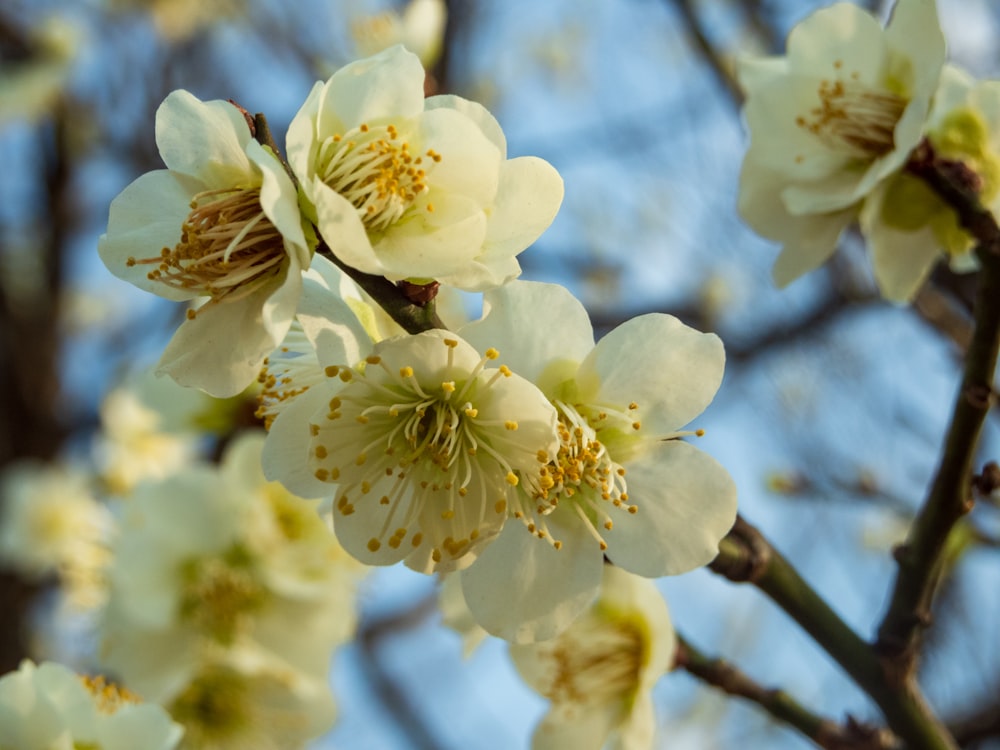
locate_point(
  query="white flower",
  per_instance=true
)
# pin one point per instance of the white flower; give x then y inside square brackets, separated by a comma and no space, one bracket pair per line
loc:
[48,707]
[249,700]
[224,559]
[599,673]
[50,522]
[136,442]
[622,484]
[424,441]
[828,122]
[419,28]
[908,227]
[222,221]
[417,189]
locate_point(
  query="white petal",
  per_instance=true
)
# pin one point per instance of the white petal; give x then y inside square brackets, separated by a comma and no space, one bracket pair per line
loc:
[331,326]
[914,34]
[203,139]
[573,726]
[301,140]
[286,451]
[279,201]
[145,218]
[511,323]
[341,227]
[476,112]
[902,261]
[221,350]
[687,503]
[522,589]
[670,370]
[527,200]
[435,244]
[470,162]
[389,85]
[841,32]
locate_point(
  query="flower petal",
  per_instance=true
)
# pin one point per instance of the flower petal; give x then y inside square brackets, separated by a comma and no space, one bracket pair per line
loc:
[510,323]
[670,370]
[838,32]
[221,350]
[687,503]
[145,218]
[474,111]
[522,589]
[286,451]
[387,85]
[527,200]
[203,139]
[469,164]
[341,227]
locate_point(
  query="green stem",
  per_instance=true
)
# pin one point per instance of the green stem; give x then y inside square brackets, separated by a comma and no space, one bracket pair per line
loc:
[746,556]
[824,732]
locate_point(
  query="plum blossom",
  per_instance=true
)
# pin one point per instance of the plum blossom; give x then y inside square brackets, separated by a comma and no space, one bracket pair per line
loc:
[599,673]
[416,189]
[621,484]
[908,227]
[831,120]
[221,222]
[48,707]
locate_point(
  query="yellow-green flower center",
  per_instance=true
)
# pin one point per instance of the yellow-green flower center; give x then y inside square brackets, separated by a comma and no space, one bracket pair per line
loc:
[228,248]
[221,594]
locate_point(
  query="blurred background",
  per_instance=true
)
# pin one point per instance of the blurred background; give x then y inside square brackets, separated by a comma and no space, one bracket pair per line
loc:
[834,402]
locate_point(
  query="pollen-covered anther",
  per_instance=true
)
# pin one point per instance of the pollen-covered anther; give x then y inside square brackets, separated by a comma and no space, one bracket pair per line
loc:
[374,170]
[228,249]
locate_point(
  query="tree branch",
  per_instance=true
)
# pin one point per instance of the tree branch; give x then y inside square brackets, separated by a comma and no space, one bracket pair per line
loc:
[745,556]
[825,733]
[921,556]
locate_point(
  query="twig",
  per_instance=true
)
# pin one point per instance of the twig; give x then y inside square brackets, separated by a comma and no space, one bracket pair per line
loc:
[412,317]
[826,733]
[921,556]
[745,556]
[708,51]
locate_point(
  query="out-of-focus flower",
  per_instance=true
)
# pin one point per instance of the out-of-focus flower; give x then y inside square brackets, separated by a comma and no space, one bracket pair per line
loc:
[419,28]
[48,707]
[599,673]
[622,484]
[177,20]
[30,88]
[907,225]
[222,222]
[424,441]
[249,699]
[416,189]
[831,120]
[51,523]
[223,559]
[456,615]
[136,442]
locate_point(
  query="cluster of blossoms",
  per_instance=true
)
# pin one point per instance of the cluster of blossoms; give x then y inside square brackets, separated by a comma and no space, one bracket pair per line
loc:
[48,706]
[512,454]
[838,127]
[213,569]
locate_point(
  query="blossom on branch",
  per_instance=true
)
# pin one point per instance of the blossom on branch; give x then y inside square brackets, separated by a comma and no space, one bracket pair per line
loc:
[907,225]
[48,707]
[416,189]
[621,483]
[831,120]
[221,222]
[599,673]
[425,441]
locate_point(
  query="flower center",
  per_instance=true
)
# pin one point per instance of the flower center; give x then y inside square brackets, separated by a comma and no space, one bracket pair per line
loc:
[108,697]
[853,117]
[228,248]
[582,476]
[596,662]
[220,595]
[420,448]
[375,171]
[214,706]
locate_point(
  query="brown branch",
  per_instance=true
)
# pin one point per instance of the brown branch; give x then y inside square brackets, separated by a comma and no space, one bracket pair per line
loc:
[921,556]
[708,51]
[824,732]
[745,556]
